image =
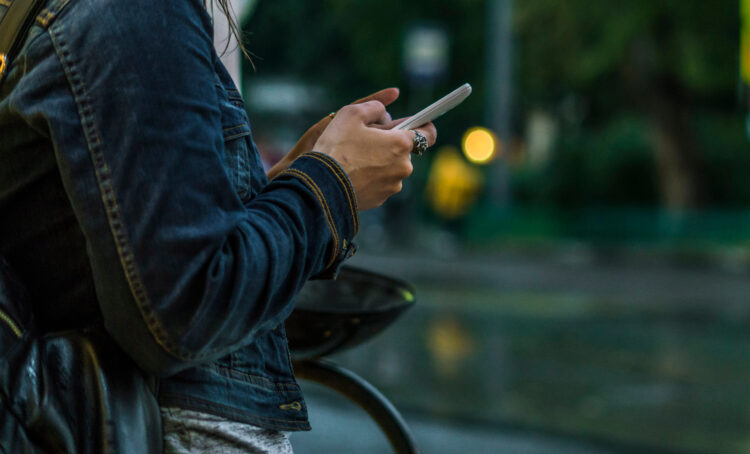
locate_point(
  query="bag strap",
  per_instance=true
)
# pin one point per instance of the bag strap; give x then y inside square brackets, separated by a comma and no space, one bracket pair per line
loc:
[14,25]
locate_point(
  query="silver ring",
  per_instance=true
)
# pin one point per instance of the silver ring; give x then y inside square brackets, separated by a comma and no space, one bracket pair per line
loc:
[420,143]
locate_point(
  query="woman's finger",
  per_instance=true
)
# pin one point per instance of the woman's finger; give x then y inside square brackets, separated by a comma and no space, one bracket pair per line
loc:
[429,131]
[385,96]
[369,112]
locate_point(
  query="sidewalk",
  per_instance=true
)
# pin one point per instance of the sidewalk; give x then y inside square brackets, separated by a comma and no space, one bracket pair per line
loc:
[643,352]
[340,427]
[573,271]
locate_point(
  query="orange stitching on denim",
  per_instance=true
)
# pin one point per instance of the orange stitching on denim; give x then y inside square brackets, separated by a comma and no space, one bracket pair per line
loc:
[44,17]
[344,180]
[112,209]
[236,136]
[296,406]
[319,195]
[255,380]
[225,408]
[348,190]
[241,125]
[329,217]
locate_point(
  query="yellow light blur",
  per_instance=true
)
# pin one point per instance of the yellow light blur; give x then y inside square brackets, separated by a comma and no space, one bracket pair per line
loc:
[452,184]
[479,145]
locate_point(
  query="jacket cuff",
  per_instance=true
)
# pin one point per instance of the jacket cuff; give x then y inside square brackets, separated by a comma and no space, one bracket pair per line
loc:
[332,187]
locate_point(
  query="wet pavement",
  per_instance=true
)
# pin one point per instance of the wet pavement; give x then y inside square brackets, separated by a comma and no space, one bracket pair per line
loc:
[339,427]
[547,353]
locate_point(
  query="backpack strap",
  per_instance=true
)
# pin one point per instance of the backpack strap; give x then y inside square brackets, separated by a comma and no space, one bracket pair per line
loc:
[14,25]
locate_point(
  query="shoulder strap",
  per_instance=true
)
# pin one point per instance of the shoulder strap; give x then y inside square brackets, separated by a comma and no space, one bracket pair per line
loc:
[14,25]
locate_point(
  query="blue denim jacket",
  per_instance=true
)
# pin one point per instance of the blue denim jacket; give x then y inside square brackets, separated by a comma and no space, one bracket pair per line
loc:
[132,197]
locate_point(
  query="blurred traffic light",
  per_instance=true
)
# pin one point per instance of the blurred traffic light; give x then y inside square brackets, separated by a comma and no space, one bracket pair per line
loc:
[745,58]
[745,41]
[479,145]
[453,184]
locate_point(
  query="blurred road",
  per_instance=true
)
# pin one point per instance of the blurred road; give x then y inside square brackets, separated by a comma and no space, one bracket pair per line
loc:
[340,427]
[640,279]
[623,349]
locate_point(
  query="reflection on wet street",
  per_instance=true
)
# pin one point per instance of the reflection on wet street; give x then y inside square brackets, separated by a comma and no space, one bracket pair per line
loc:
[613,356]
[339,427]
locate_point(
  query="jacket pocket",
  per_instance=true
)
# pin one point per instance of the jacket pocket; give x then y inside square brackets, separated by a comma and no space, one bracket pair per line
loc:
[238,164]
[237,145]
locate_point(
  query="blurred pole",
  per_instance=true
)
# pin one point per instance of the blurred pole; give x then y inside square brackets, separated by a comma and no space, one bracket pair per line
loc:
[745,60]
[499,92]
[425,61]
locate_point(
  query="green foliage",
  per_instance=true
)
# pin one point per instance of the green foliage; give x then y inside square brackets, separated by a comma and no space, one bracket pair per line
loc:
[643,60]
[724,148]
[356,42]
[590,62]
[590,47]
[355,48]
[613,166]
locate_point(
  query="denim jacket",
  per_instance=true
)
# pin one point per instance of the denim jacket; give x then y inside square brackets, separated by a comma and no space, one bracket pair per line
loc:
[132,197]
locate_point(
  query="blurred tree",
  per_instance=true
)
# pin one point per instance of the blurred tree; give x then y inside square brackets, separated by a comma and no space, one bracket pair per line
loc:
[353,48]
[662,59]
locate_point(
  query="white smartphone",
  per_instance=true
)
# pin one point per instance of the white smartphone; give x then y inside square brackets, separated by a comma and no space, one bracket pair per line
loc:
[437,108]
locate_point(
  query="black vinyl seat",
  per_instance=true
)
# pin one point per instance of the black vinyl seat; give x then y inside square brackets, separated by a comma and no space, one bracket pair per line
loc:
[330,316]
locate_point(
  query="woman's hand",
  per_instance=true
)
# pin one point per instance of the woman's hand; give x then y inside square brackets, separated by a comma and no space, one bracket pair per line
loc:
[376,159]
[308,139]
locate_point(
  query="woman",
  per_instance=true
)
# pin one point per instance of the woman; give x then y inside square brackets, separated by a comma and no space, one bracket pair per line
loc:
[133,198]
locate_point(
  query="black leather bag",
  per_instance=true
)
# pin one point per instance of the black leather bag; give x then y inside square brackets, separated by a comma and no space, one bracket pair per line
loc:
[68,392]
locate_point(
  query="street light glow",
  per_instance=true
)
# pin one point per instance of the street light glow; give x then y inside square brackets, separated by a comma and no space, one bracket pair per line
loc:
[479,145]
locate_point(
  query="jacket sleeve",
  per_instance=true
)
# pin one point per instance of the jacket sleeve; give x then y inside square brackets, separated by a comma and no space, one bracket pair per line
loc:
[184,271]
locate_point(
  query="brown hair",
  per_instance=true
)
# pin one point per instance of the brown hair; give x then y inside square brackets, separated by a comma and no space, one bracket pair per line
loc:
[234,29]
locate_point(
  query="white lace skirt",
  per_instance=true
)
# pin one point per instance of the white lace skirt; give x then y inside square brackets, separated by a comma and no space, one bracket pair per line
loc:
[189,432]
